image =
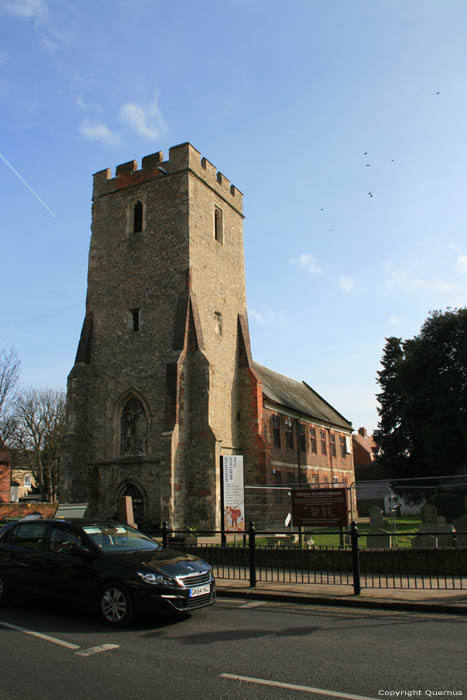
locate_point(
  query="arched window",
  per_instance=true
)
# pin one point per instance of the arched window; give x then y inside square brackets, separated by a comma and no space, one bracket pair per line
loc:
[134,429]
[138,217]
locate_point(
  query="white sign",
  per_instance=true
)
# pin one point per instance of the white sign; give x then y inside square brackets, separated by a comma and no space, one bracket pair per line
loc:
[234,495]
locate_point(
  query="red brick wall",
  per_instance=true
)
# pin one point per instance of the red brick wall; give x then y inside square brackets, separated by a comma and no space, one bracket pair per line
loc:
[5,475]
[4,483]
[328,466]
[20,510]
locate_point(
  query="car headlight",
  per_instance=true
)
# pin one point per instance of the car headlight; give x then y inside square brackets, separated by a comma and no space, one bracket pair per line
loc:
[149,577]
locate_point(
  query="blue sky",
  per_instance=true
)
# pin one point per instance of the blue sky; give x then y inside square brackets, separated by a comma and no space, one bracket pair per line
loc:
[307,107]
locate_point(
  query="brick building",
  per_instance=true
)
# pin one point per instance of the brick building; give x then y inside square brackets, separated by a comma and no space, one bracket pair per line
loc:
[164,383]
[5,474]
[365,448]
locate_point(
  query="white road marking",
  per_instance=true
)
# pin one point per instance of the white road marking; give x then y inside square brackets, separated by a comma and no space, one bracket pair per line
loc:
[96,650]
[291,686]
[54,640]
[253,605]
[61,642]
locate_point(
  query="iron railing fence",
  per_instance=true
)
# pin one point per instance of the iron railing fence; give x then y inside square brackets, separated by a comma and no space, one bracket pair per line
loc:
[252,557]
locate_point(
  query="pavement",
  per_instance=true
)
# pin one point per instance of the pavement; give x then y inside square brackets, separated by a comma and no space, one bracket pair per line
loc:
[434,600]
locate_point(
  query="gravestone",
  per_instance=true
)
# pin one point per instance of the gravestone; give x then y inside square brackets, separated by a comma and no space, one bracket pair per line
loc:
[461,526]
[125,510]
[429,514]
[425,541]
[376,517]
[434,523]
[380,539]
[445,530]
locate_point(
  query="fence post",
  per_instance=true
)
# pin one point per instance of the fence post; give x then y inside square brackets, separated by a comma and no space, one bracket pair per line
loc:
[251,545]
[355,557]
[165,534]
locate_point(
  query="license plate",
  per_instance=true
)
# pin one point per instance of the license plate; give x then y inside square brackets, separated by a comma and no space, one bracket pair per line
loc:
[199,590]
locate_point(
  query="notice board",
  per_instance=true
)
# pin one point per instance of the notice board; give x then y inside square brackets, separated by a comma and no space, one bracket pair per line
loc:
[320,507]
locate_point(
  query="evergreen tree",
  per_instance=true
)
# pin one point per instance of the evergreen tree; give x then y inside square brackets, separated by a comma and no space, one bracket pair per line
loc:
[422,429]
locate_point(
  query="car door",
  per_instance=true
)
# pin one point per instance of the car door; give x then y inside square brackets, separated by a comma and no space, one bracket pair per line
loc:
[24,556]
[73,570]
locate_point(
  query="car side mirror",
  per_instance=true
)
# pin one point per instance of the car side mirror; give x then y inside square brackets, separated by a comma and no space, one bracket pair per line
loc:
[79,550]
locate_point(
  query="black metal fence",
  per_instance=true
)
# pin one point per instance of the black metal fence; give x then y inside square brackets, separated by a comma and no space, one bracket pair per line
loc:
[251,559]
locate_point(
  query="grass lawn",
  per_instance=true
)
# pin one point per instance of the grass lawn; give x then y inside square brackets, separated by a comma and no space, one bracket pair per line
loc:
[409,524]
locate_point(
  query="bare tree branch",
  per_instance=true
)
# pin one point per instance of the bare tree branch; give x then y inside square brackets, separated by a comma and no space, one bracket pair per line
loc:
[9,378]
[39,423]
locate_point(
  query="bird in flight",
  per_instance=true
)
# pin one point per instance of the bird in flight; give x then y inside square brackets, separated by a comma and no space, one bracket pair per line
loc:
[370,194]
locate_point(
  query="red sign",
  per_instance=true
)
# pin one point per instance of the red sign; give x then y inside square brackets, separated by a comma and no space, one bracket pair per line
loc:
[320,507]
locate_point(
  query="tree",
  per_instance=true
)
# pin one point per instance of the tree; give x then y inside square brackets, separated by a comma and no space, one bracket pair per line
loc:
[39,425]
[422,429]
[9,378]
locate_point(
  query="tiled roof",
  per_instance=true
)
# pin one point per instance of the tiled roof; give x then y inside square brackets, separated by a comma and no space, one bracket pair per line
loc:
[299,397]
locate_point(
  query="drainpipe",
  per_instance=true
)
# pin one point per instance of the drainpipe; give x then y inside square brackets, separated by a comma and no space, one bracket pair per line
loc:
[298,451]
[330,456]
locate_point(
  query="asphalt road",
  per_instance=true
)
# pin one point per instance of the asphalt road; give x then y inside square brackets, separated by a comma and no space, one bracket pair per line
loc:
[235,650]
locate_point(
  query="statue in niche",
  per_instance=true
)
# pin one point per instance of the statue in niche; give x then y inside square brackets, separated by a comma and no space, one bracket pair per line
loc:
[134,429]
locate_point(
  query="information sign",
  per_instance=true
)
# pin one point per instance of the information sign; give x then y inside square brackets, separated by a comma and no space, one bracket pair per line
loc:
[320,507]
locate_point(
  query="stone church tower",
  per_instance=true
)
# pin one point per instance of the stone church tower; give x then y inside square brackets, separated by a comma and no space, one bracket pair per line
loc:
[154,397]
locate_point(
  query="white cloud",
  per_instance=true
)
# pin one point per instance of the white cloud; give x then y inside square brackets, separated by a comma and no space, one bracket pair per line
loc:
[270,318]
[147,122]
[438,285]
[462,264]
[346,283]
[305,261]
[37,12]
[256,315]
[80,86]
[400,279]
[99,132]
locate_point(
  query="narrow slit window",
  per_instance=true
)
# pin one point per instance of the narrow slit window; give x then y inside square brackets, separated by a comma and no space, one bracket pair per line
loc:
[218,225]
[138,217]
[135,320]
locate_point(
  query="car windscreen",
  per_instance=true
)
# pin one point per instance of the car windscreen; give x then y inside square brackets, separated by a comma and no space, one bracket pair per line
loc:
[119,538]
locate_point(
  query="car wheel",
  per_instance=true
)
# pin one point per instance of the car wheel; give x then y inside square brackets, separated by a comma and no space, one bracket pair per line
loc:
[3,591]
[115,605]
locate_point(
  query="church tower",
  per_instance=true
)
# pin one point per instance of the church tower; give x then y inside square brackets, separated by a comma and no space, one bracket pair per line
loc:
[154,394]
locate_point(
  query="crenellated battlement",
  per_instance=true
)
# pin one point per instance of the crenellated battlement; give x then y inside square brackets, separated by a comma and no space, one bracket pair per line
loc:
[181,158]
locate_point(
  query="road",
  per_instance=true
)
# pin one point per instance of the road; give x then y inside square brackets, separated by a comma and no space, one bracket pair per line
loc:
[236,650]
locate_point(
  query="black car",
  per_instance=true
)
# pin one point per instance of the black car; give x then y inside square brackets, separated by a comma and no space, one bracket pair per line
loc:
[109,566]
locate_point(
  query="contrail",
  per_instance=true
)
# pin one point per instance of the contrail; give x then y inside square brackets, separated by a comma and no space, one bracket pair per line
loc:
[28,186]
